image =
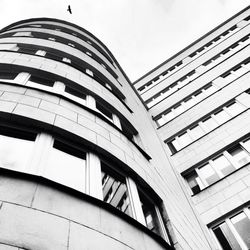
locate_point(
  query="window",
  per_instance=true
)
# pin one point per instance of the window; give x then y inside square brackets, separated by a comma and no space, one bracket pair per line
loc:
[184,139]
[15,150]
[41,80]
[193,133]
[75,92]
[226,238]
[114,189]
[239,155]
[208,174]
[220,166]
[234,232]
[8,75]
[66,165]
[235,108]
[104,110]
[210,124]
[150,214]
[193,181]
[223,165]
[221,116]
[196,132]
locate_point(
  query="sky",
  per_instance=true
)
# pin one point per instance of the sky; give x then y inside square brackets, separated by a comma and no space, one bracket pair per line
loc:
[141,34]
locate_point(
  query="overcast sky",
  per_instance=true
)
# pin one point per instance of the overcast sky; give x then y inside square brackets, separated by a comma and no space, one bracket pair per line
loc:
[140,33]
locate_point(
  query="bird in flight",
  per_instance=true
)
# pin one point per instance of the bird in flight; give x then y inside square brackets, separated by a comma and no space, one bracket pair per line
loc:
[69,9]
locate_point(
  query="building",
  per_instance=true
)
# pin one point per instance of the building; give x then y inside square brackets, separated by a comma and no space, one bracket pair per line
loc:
[84,165]
[199,100]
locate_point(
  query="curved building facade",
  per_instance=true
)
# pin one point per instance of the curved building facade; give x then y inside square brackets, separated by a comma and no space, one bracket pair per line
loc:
[83,164]
[74,169]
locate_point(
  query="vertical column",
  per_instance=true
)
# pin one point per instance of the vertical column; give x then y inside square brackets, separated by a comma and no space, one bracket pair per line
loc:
[94,176]
[135,201]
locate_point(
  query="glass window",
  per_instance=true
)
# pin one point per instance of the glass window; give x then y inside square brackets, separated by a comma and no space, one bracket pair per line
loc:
[184,139]
[193,182]
[226,238]
[178,109]
[168,116]
[222,116]
[223,165]
[150,215]
[210,89]
[242,224]
[7,75]
[196,132]
[176,145]
[104,110]
[41,80]
[75,92]
[66,165]
[207,173]
[15,152]
[235,108]
[114,189]
[210,124]
[239,155]
[246,144]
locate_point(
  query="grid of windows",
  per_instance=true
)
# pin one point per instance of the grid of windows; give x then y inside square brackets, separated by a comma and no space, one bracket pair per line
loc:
[180,107]
[186,79]
[233,232]
[186,103]
[204,126]
[193,55]
[219,166]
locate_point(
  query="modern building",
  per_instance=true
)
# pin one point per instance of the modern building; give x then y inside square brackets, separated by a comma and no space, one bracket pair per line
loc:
[89,160]
[200,100]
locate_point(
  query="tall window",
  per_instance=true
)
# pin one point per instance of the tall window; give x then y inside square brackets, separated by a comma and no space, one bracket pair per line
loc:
[234,232]
[150,213]
[15,149]
[114,189]
[66,165]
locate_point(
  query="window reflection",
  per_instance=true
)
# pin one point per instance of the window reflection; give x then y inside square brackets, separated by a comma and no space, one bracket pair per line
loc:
[115,190]
[150,215]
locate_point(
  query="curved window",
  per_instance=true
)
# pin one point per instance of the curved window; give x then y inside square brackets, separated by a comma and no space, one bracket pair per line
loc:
[115,190]
[66,165]
[16,151]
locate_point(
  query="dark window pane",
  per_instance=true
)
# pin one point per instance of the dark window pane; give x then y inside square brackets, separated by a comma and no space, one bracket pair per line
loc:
[7,75]
[149,212]
[75,92]
[41,80]
[104,110]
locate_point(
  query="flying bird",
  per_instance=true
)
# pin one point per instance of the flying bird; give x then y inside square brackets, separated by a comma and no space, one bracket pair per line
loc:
[69,9]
